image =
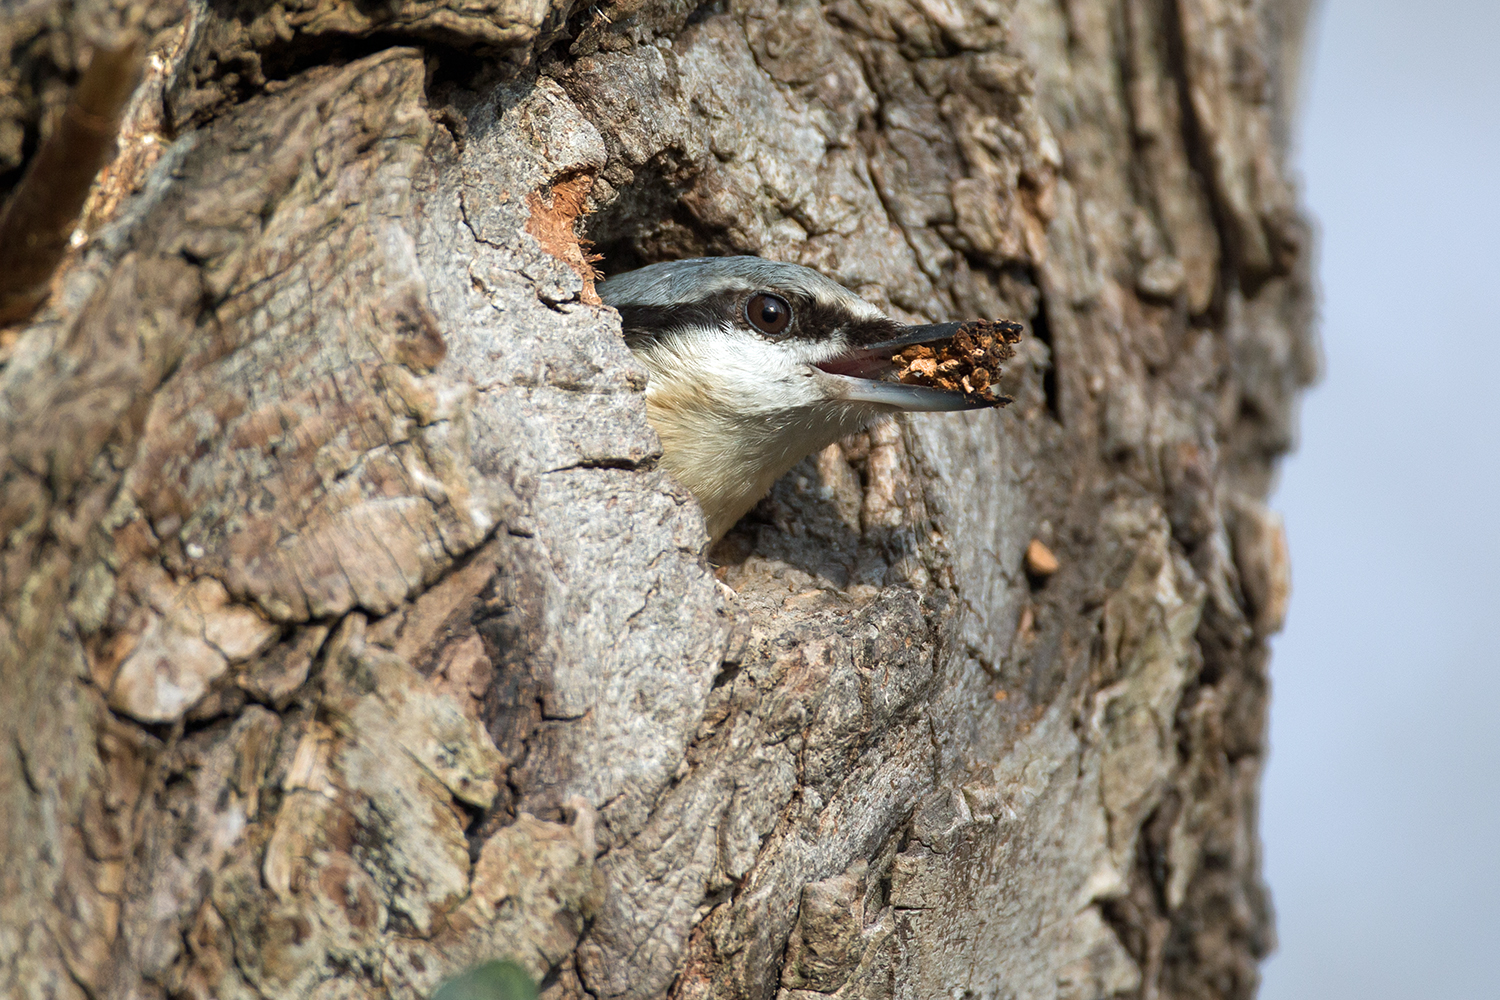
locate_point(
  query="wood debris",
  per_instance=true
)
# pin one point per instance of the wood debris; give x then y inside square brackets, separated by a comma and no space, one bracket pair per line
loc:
[968,362]
[1039,559]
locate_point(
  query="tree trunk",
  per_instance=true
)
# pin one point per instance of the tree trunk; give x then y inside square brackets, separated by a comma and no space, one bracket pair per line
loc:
[352,637]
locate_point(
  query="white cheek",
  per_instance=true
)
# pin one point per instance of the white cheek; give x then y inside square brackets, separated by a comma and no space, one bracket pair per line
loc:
[742,373]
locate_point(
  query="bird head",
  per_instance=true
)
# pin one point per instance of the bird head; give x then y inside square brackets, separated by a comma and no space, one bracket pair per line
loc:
[756,364]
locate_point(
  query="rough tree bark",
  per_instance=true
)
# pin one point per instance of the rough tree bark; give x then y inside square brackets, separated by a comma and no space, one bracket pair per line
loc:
[350,635]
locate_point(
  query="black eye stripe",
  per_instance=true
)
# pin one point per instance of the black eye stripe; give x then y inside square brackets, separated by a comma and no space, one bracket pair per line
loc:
[810,319]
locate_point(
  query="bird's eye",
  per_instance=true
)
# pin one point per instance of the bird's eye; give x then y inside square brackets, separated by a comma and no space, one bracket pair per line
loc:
[770,314]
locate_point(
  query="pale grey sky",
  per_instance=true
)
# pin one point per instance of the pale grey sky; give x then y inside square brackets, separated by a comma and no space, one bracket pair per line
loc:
[1381,817]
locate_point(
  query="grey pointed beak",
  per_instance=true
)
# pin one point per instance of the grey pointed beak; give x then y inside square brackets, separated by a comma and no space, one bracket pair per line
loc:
[862,374]
[912,398]
[917,335]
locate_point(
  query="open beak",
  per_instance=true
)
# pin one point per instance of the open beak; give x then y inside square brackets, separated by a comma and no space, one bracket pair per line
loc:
[868,375]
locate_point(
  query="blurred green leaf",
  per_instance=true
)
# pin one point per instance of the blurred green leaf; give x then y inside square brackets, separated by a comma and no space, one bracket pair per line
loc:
[491,981]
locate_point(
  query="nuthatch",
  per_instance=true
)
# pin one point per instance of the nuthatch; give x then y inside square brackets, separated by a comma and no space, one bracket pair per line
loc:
[755,365]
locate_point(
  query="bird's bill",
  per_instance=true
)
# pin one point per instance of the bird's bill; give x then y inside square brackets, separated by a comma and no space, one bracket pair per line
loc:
[913,398]
[925,334]
[863,373]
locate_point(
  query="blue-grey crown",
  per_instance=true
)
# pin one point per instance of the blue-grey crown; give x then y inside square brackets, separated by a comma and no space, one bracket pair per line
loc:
[678,282]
